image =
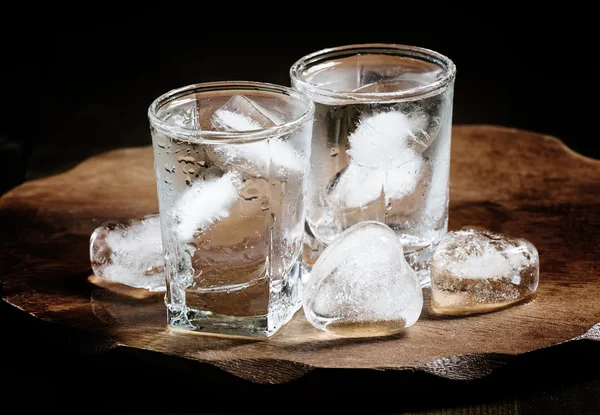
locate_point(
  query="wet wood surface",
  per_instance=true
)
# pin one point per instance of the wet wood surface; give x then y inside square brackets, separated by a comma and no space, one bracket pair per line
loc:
[510,181]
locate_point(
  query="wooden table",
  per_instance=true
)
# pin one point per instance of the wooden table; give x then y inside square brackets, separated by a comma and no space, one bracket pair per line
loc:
[516,182]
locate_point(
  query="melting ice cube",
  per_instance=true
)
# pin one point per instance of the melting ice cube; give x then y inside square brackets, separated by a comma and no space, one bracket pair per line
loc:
[129,253]
[361,284]
[474,271]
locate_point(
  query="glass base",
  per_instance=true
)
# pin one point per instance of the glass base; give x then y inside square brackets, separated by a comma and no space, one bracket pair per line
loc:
[418,260]
[252,326]
[281,311]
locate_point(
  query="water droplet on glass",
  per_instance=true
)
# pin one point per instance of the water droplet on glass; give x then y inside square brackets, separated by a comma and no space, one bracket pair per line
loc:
[265,204]
[186,159]
[189,169]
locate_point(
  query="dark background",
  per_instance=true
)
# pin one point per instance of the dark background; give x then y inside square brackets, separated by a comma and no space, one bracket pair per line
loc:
[73,90]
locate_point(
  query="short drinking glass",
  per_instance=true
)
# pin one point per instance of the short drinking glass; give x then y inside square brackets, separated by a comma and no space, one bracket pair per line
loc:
[231,160]
[380,145]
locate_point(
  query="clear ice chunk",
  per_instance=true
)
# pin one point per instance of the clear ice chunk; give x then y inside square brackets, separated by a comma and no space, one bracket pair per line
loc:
[476,270]
[361,285]
[400,82]
[205,203]
[129,253]
[273,157]
[242,114]
[335,76]
[184,113]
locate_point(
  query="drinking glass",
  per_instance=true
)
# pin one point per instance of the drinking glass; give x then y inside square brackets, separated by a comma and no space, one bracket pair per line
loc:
[231,161]
[380,144]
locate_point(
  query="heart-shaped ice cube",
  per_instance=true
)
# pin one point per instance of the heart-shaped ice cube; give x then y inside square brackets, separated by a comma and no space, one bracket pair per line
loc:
[361,285]
[475,271]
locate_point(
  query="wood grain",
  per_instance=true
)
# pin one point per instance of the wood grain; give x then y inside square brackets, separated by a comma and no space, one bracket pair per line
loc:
[510,181]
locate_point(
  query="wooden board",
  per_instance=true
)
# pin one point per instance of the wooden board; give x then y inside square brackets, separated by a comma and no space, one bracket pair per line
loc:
[516,182]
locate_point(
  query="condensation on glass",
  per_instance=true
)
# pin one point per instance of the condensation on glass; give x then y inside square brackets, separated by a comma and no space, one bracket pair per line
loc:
[380,145]
[231,161]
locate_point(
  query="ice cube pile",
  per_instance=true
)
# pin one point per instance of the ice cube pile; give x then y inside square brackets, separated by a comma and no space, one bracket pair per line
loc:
[362,286]
[130,253]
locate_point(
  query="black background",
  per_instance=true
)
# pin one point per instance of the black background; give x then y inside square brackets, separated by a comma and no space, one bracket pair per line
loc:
[78,89]
[73,90]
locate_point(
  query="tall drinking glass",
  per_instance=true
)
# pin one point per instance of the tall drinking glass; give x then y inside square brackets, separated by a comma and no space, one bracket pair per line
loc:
[231,160]
[380,145]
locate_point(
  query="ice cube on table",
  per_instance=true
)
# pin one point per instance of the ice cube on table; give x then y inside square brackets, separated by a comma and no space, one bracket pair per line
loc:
[130,253]
[259,158]
[203,204]
[475,271]
[361,284]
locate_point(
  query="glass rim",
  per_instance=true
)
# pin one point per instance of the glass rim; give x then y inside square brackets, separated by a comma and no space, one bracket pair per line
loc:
[416,51]
[232,136]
